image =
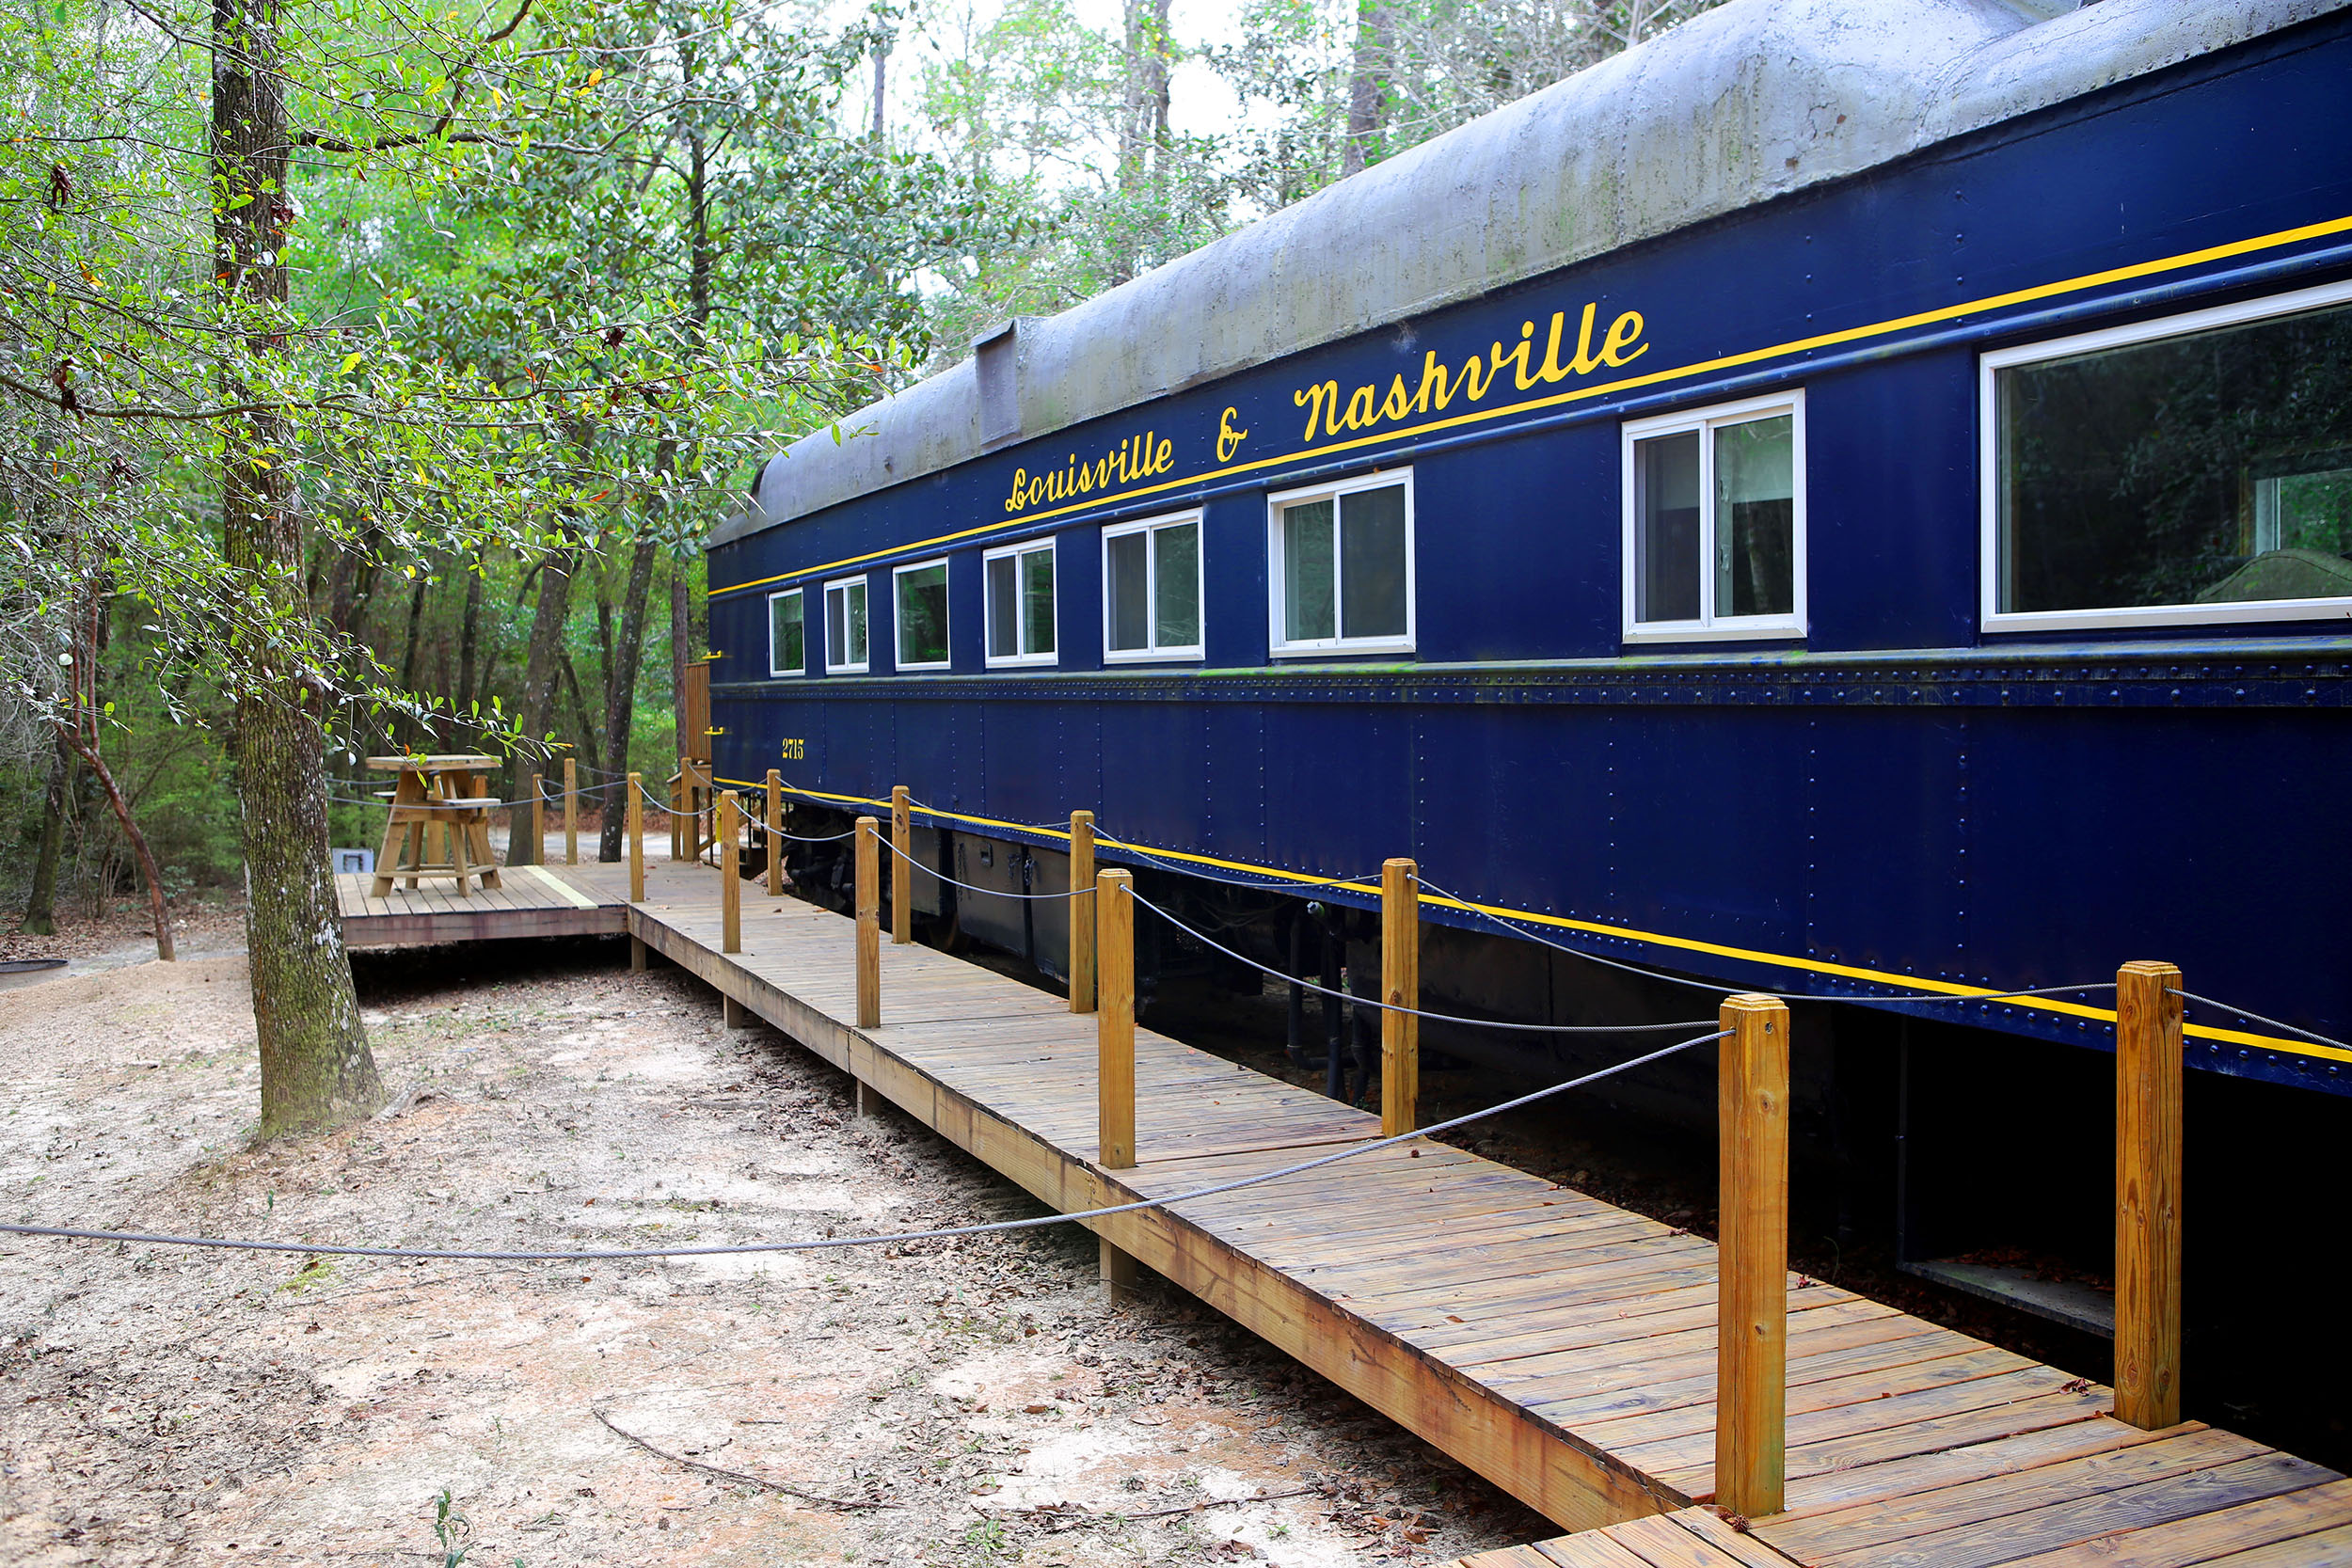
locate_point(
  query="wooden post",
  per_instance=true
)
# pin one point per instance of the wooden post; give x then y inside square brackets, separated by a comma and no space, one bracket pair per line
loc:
[1752,1257]
[677,799]
[538,823]
[730,884]
[1400,987]
[775,834]
[637,839]
[2148,1195]
[733,1013]
[1120,1273]
[1115,1018]
[571,813]
[1082,912]
[902,866]
[868,842]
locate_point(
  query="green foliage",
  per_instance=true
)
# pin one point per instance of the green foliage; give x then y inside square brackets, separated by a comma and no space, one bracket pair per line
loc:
[1066,126]
[450,1527]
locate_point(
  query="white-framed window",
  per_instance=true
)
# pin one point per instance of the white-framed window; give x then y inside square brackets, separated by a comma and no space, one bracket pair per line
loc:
[2177,472]
[845,627]
[918,595]
[1018,587]
[788,633]
[1340,567]
[1714,522]
[1151,589]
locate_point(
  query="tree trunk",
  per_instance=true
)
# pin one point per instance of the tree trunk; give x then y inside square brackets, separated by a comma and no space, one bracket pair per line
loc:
[41,904]
[1143,122]
[416,629]
[1155,87]
[69,735]
[620,690]
[1367,87]
[591,756]
[469,639]
[536,706]
[316,1069]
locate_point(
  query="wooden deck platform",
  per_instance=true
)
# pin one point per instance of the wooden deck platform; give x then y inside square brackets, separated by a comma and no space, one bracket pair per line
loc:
[534,901]
[1562,1348]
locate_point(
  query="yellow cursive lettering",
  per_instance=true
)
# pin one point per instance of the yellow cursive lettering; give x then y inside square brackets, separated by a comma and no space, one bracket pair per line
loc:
[1433,374]
[1228,440]
[1518,356]
[1476,377]
[1585,362]
[1397,403]
[1553,370]
[1320,400]
[1623,332]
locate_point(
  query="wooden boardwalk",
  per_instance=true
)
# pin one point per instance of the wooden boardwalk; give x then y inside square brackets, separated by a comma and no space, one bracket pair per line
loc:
[533,901]
[1560,1347]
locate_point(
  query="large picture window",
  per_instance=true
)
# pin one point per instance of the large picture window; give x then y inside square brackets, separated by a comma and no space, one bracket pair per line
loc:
[919,613]
[1340,563]
[1714,523]
[2195,470]
[1151,589]
[788,633]
[845,627]
[1020,592]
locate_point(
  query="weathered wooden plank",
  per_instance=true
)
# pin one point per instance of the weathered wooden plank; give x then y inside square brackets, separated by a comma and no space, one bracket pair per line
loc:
[1683,1432]
[2330,1548]
[1741,1547]
[2225,1535]
[1596,1548]
[1878,1521]
[1954,1448]
[1506,1557]
[1663,1543]
[1980,1543]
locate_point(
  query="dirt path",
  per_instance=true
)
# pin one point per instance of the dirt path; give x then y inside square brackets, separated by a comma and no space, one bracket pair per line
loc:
[969,1403]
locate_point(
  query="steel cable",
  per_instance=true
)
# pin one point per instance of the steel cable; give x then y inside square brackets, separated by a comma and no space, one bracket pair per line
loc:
[1515,929]
[1275,884]
[943,1233]
[1414,1012]
[2272,1023]
[999,892]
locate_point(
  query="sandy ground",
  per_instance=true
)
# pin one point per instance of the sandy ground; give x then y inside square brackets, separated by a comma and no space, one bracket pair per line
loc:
[968,1403]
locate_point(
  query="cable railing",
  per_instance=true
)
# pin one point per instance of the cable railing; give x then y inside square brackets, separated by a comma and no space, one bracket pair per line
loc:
[1752,1032]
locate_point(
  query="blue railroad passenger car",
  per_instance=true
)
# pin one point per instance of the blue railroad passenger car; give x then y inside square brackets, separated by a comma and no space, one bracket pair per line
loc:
[1850,498]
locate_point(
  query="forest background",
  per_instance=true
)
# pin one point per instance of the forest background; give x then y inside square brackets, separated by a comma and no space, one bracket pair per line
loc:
[371,369]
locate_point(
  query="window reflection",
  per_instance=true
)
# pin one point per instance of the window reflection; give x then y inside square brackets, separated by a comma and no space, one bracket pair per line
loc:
[2210,468]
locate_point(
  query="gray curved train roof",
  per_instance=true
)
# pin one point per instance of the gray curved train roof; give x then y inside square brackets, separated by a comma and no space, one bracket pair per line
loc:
[1755,100]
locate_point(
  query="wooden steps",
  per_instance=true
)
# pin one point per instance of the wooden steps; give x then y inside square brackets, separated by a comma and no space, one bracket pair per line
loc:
[1560,1347]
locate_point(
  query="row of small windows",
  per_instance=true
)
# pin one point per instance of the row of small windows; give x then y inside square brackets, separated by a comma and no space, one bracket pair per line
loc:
[1342,569]
[2195,470]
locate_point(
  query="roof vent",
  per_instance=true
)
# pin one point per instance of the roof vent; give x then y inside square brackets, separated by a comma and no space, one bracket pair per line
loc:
[994,360]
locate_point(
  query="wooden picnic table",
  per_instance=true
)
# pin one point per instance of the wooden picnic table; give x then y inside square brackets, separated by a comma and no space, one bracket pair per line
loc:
[439,803]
